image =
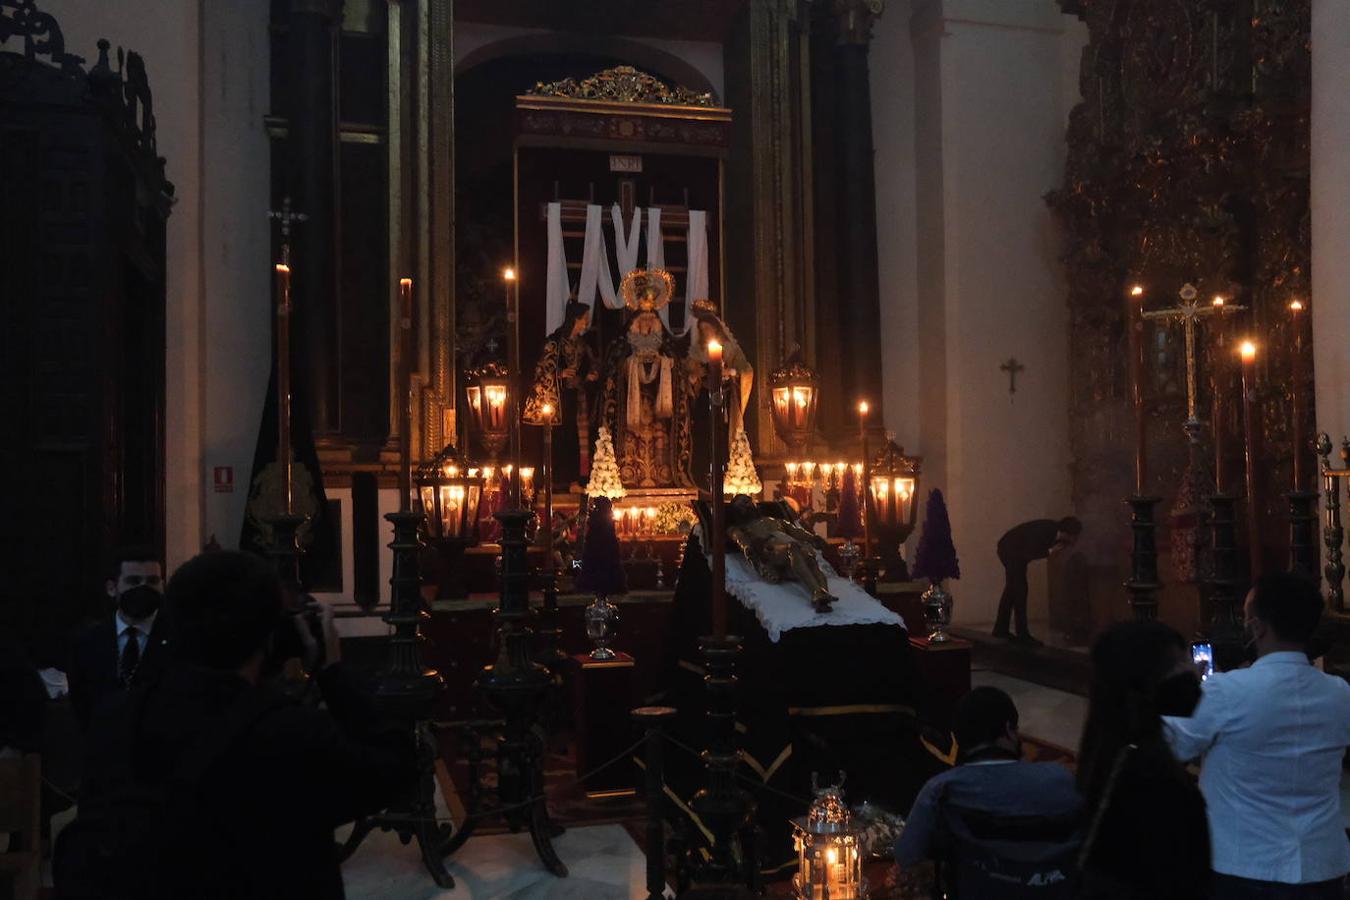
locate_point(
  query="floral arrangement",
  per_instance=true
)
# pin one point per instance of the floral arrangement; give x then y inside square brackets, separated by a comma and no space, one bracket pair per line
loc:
[741,477]
[604,480]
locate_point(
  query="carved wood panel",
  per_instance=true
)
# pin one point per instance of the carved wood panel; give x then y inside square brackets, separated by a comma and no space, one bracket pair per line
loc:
[1188,161]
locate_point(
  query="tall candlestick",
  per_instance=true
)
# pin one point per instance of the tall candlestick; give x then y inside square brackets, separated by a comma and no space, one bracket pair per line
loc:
[719,526]
[546,474]
[867,506]
[1248,350]
[283,284]
[1134,325]
[513,364]
[1216,412]
[1299,448]
[405,395]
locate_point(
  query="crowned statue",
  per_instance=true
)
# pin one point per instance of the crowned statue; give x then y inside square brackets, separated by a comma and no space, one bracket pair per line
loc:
[645,405]
[565,381]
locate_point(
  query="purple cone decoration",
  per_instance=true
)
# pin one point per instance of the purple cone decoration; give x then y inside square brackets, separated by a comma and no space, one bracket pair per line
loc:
[850,517]
[936,557]
[601,565]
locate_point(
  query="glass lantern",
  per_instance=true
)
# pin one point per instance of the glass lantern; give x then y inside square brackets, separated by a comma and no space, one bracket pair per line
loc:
[894,488]
[794,395]
[450,489]
[829,851]
[487,392]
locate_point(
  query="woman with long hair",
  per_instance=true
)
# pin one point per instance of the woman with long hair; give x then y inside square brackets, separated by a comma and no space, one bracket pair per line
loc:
[1147,834]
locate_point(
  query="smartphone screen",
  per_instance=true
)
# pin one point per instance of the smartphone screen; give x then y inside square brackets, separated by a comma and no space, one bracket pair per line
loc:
[1202,654]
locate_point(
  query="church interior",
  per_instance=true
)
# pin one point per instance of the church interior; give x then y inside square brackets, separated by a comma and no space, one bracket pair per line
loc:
[678,407]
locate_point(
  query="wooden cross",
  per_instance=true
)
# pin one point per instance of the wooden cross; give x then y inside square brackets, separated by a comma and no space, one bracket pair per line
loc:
[1012,367]
[287,217]
[1189,311]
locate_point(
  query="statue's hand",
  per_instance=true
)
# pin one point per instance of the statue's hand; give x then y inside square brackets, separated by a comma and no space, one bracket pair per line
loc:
[568,373]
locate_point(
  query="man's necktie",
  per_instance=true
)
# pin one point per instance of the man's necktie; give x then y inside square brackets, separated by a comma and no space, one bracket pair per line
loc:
[131,657]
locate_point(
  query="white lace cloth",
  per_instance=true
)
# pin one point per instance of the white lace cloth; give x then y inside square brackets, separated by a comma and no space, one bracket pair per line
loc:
[787,605]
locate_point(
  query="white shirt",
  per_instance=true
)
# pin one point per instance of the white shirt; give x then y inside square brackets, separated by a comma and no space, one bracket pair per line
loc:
[140,629]
[1272,737]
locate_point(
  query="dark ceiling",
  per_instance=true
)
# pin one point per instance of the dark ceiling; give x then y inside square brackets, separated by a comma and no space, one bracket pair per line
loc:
[687,20]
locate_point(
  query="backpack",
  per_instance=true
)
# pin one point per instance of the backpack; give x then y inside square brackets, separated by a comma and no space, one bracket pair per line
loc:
[110,850]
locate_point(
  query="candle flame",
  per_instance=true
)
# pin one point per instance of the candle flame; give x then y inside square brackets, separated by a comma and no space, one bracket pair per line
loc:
[1296,305]
[405,282]
[863,407]
[1218,300]
[509,274]
[1248,351]
[282,267]
[715,351]
[1137,291]
[548,409]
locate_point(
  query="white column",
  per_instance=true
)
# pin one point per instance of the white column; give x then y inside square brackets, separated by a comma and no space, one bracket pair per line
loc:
[992,88]
[169,36]
[1331,215]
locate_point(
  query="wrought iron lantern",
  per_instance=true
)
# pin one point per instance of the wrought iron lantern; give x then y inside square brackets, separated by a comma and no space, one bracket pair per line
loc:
[450,489]
[795,394]
[895,487]
[829,850]
[488,388]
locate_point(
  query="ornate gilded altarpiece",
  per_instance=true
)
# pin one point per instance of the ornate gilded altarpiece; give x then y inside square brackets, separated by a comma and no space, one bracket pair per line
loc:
[1188,161]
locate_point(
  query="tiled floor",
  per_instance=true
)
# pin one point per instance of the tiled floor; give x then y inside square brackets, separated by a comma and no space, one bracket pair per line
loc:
[1045,713]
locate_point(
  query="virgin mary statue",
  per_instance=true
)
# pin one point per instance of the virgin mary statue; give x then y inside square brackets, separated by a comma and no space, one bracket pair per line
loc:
[645,404]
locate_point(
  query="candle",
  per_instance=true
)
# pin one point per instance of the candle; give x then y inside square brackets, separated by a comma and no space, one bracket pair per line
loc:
[283,278]
[513,365]
[404,395]
[547,475]
[867,507]
[1134,326]
[714,365]
[1296,374]
[1248,351]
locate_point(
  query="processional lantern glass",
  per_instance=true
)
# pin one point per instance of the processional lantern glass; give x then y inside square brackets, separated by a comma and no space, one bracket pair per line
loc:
[795,394]
[450,488]
[829,852]
[895,486]
[487,392]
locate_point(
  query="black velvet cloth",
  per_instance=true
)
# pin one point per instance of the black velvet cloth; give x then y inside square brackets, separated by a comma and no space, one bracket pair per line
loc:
[825,700]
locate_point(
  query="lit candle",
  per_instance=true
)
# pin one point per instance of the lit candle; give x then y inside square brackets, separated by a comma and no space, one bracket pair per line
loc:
[1296,374]
[651,519]
[1134,326]
[527,480]
[867,511]
[405,394]
[714,365]
[547,474]
[283,337]
[792,472]
[1248,351]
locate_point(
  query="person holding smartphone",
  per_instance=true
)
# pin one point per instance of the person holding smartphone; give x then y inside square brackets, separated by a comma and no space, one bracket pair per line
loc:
[1272,737]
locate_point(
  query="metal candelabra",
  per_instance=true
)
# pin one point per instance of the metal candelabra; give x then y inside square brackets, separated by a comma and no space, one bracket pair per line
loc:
[1143,585]
[1226,620]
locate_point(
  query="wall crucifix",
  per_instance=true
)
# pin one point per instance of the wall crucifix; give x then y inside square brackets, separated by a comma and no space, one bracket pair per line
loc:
[1012,367]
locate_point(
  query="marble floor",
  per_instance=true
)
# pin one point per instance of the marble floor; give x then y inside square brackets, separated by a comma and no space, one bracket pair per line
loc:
[603,862]
[1045,713]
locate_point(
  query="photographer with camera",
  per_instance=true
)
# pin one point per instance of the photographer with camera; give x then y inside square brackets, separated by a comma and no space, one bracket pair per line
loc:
[208,782]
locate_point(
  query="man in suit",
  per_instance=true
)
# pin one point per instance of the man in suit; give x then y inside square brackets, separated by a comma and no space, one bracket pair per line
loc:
[209,782]
[1020,546]
[129,647]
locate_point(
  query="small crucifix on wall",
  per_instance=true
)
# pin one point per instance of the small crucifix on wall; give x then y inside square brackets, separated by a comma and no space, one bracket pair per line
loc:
[1012,367]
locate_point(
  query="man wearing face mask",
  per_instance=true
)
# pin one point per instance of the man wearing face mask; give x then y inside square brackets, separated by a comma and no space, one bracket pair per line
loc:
[129,647]
[1272,738]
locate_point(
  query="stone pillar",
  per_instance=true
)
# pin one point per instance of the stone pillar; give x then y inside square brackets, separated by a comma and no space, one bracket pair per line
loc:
[1331,216]
[991,103]
[859,300]
[312,181]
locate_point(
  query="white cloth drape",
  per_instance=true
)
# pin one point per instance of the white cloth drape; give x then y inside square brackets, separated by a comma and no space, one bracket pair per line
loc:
[696,279]
[595,265]
[626,245]
[558,284]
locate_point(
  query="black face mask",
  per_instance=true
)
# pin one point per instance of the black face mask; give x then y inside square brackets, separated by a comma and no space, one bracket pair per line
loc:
[1178,695]
[139,602]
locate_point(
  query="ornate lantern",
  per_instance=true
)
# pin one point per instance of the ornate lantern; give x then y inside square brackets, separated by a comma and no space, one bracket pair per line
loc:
[795,394]
[450,489]
[894,485]
[487,392]
[829,850]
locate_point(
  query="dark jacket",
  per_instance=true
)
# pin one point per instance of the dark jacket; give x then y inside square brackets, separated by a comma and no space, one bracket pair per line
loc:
[94,677]
[1028,542]
[258,819]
